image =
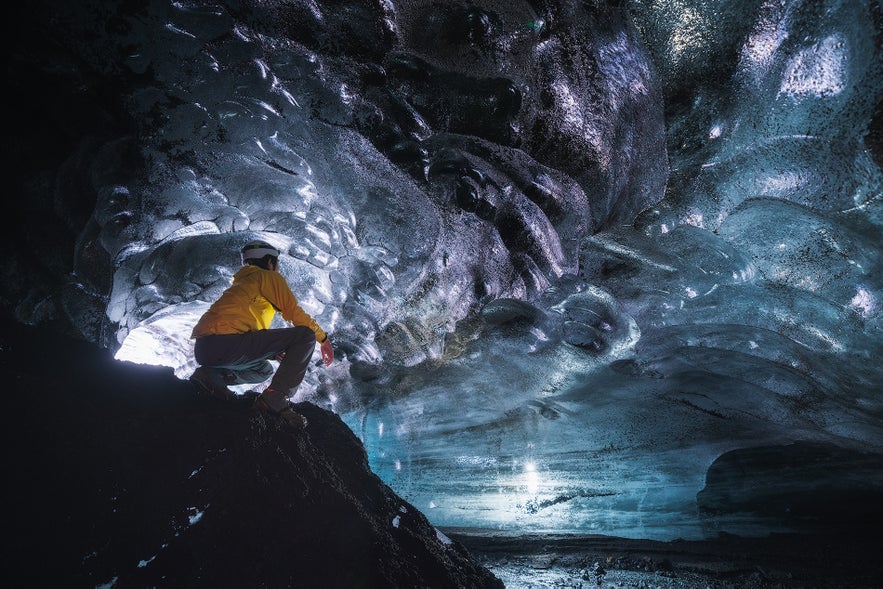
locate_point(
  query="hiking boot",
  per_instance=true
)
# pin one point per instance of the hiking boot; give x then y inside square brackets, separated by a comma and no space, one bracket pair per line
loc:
[275,403]
[210,382]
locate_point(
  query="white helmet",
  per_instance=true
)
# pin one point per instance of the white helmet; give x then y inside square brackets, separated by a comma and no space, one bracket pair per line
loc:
[255,250]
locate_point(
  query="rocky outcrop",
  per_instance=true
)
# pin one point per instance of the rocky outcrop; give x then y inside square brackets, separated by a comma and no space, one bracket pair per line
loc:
[122,476]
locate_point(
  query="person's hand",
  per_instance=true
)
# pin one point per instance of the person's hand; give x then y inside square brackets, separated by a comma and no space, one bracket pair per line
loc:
[327,352]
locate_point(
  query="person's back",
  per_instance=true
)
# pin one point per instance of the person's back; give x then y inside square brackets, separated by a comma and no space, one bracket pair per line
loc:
[244,306]
[234,342]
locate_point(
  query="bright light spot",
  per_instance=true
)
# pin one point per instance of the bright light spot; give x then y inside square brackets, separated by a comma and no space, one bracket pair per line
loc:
[715,132]
[694,219]
[197,515]
[825,337]
[267,107]
[395,521]
[432,505]
[345,95]
[819,70]
[538,333]
[863,302]
[164,339]
[531,478]
[144,563]
[262,66]
[752,344]
[289,97]
[308,192]
[174,29]
[237,30]
[380,429]
[398,465]
[691,293]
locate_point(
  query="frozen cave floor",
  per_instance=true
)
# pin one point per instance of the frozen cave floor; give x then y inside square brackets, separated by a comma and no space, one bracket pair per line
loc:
[800,560]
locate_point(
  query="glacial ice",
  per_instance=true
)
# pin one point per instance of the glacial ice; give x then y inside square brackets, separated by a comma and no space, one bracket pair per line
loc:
[569,257]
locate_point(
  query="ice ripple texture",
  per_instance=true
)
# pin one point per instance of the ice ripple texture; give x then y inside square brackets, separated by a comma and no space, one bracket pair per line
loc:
[569,255]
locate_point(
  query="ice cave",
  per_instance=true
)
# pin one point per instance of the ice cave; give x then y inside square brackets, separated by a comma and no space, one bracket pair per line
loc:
[571,253]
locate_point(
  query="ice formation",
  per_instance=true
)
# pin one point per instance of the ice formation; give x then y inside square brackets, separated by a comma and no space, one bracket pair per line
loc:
[570,253]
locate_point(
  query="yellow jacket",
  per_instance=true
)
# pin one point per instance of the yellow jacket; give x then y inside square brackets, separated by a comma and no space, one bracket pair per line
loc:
[251,303]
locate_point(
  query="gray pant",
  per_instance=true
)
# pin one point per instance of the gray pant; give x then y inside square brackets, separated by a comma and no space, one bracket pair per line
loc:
[242,358]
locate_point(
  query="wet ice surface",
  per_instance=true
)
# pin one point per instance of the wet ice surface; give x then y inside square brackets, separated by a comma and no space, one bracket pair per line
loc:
[545,423]
[582,562]
[542,577]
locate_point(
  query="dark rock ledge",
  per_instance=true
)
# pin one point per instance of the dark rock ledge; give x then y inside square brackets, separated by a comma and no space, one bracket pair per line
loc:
[119,476]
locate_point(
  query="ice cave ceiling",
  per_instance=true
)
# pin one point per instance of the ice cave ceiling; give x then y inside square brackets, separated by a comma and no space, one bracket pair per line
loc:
[570,252]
